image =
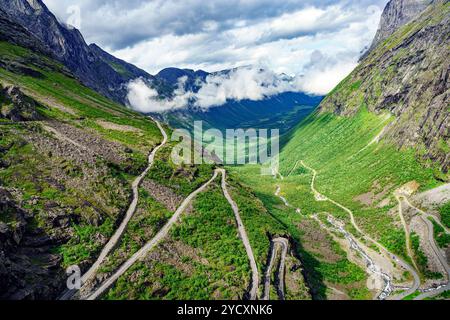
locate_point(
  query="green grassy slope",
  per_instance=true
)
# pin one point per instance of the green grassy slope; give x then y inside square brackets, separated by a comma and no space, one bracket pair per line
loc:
[54,87]
[406,76]
[73,200]
[202,259]
[352,143]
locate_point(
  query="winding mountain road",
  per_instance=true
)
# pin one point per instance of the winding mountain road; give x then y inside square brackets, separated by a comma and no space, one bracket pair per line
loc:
[376,139]
[442,259]
[355,245]
[400,199]
[427,215]
[438,253]
[275,246]
[152,243]
[244,237]
[129,214]
[403,264]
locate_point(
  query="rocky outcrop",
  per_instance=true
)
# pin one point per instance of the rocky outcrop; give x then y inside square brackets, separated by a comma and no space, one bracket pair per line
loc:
[13,32]
[407,76]
[91,65]
[396,14]
[27,270]
[16,106]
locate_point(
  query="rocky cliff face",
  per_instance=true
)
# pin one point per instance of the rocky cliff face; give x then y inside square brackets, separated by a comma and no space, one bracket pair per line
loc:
[20,247]
[13,32]
[396,14]
[407,75]
[15,106]
[91,65]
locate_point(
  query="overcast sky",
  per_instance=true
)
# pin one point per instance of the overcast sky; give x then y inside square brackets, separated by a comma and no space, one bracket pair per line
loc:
[320,39]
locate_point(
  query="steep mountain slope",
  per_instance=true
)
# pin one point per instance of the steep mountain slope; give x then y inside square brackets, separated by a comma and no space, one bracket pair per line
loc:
[14,33]
[67,156]
[91,65]
[407,76]
[395,15]
[387,124]
[381,135]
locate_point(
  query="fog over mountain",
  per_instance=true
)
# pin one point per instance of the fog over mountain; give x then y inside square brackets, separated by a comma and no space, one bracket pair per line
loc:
[247,83]
[282,36]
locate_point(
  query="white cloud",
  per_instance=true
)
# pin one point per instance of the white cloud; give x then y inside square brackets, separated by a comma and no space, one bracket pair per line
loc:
[249,83]
[145,99]
[214,35]
[323,77]
[241,84]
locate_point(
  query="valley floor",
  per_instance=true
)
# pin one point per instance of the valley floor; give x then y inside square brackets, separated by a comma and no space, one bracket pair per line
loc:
[366,203]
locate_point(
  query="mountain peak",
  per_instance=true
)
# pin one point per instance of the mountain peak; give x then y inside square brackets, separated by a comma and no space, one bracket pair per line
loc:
[396,14]
[36,4]
[406,76]
[90,64]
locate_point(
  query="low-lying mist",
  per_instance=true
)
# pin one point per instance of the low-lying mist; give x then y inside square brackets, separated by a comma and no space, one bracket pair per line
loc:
[247,83]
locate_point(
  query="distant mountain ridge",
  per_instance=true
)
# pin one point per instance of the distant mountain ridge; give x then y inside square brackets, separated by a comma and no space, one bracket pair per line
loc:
[280,111]
[283,111]
[172,75]
[91,65]
[94,67]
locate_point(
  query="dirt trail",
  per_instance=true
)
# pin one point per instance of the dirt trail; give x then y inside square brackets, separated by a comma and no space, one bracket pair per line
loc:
[407,232]
[284,200]
[385,252]
[275,246]
[244,237]
[438,253]
[427,215]
[130,212]
[374,140]
[151,244]
[278,194]
[293,168]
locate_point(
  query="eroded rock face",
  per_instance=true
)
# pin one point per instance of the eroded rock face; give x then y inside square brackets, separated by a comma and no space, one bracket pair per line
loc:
[406,76]
[13,32]
[27,270]
[396,14]
[90,64]
[16,106]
